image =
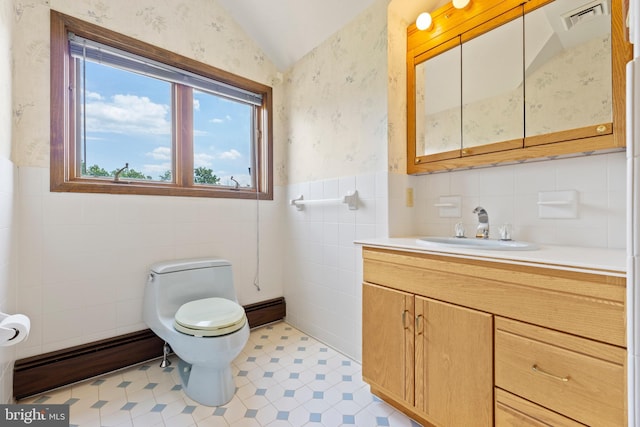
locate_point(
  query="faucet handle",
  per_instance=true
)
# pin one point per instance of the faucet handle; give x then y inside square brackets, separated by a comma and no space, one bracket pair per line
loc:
[505,232]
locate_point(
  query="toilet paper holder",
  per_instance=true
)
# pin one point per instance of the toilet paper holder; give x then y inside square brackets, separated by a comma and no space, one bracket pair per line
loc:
[14,328]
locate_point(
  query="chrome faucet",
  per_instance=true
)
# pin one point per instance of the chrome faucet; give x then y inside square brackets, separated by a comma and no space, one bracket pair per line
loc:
[483,223]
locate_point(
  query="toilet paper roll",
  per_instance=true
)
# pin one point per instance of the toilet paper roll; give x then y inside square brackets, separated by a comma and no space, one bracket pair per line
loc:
[14,329]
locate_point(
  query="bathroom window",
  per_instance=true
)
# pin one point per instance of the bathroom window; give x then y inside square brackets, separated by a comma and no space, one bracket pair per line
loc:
[131,118]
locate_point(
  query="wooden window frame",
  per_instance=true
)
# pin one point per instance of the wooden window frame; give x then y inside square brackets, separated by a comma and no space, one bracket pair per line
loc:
[63,145]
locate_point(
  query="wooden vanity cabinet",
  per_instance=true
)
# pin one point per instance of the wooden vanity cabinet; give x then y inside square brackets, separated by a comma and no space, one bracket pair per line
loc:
[439,330]
[432,358]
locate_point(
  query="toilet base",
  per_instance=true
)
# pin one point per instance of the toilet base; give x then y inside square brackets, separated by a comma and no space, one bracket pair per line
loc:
[207,385]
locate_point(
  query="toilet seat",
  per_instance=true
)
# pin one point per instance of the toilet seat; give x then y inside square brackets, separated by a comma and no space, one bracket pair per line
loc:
[209,317]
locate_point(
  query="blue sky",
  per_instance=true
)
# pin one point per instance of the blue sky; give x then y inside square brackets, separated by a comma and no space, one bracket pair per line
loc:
[128,121]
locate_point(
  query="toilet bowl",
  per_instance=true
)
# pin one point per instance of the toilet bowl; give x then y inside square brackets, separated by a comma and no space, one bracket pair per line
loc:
[192,305]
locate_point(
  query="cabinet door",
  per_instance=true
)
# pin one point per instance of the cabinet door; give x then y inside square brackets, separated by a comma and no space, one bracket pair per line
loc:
[387,341]
[438,105]
[454,364]
[568,87]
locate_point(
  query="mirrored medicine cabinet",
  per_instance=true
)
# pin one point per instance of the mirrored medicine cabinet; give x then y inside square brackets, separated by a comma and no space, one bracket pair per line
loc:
[505,81]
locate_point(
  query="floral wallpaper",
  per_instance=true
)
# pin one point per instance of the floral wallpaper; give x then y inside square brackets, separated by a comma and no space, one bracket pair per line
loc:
[396,91]
[566,92]
[336,103]
[200,29]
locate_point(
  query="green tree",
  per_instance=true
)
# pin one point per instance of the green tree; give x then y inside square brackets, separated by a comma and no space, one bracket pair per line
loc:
[166,176]
[131,173]
[204,175]
[96,170]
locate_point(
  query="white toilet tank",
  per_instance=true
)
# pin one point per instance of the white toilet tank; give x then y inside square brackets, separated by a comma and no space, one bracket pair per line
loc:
[180,281]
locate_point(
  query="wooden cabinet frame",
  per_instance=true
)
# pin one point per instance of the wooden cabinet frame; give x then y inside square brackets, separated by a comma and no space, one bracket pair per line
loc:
[450,23]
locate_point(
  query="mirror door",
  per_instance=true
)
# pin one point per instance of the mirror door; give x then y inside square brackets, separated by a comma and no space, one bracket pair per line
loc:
[568,71]
[493,90]
[438,105]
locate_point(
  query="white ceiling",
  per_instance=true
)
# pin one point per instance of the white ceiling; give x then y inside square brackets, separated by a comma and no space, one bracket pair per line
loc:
[286,30]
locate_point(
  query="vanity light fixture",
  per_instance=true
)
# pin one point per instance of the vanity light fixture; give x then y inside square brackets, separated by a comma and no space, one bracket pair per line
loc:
[461,4]
[425,22]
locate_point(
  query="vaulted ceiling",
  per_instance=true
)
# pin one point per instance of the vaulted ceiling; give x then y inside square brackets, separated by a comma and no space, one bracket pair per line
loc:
[286,30]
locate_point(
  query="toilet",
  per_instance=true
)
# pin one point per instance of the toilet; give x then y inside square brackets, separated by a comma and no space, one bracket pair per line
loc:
[192,305]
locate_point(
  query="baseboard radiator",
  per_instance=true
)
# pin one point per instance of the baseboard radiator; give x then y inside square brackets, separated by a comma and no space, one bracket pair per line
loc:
[47,371]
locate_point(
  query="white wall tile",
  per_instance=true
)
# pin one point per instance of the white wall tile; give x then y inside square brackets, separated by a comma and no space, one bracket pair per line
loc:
[583,174]
[331,189]
[366,185]
[322,284]
[331,233]
[99,247]
[496,181]
[31,181]
[530,178]
[510,193]
[9,231]
[382,184]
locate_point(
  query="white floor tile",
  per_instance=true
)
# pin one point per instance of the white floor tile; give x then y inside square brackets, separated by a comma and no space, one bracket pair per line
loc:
[283,377]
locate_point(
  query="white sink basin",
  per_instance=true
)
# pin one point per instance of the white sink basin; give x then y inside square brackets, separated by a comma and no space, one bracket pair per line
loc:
[469,243]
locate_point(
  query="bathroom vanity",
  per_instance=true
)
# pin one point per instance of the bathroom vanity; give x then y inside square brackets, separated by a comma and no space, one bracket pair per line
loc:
[457,337]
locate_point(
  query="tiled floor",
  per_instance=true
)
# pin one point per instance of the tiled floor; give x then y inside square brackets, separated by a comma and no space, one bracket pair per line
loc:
[284,378]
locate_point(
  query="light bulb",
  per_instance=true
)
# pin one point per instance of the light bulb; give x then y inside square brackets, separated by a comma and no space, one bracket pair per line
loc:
[461,4]
[424,21]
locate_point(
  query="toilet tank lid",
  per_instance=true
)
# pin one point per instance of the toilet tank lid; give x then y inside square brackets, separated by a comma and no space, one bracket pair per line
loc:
[188,264]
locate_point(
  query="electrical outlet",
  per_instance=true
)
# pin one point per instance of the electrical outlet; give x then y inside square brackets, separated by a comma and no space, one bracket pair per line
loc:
[409,197]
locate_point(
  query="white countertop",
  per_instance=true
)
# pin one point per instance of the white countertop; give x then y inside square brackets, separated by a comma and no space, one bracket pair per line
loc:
[591,260]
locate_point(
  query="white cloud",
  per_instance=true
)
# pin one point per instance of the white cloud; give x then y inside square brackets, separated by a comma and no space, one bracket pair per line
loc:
[160,153]
[156,170]
[128,114]
[196,104]
[202,160]
[226,118]
[230,155]
[93,96]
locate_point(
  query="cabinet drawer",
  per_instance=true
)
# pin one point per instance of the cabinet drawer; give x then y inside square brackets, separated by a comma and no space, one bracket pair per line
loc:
[582,379]
[512,411]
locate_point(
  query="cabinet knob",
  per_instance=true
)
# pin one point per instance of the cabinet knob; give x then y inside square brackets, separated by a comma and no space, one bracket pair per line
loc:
[466,151]
[601,128]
